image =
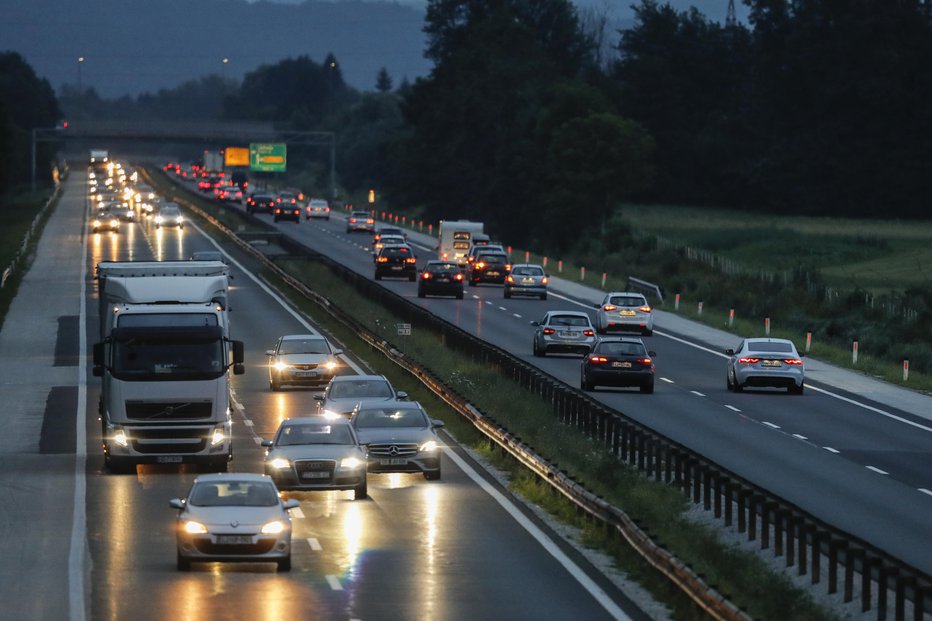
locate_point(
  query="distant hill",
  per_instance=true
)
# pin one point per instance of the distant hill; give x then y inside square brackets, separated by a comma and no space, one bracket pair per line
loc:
[131,46]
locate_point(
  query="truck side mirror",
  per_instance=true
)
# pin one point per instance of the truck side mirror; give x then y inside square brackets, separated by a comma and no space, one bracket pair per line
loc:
[98,355]
[239,368]
[239,356]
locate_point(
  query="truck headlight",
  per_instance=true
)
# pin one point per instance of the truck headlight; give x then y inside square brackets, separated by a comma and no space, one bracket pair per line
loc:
[217,437]
[120,437]
[280,366]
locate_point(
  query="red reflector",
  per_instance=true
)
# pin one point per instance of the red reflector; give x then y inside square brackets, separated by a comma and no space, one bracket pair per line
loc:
[748,360]
[549,330]
[609,307]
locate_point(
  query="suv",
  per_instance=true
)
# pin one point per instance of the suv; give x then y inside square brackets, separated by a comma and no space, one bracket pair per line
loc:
[623,311]
[489,267]
[360,221]
[526,279]
[398,261]
[476,249]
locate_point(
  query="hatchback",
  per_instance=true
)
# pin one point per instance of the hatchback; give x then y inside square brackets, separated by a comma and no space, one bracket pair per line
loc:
[625,312]
[527,279]
[317,208]
[440,278]
[302,359]
[563,332]
[618,362]
[396,261]
[360,221]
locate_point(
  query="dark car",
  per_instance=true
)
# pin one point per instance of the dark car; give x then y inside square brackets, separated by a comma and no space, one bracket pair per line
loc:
[396,261]
[489,267]
[289,211]
[618,362]
[260,203]
[399,437]
[441,278]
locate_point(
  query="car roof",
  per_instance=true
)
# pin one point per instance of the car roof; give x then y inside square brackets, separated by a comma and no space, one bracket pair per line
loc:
[232,476]
[613,293]
[299,337]
[354,378]
[767,339]
[316,420]
[514,265]
[620,339]
[568,312]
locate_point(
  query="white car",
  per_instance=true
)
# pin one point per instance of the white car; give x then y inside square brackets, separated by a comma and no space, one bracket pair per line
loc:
[564,332]
[765,362]
[317,208]
[624,311]
[169,215]
[233,517]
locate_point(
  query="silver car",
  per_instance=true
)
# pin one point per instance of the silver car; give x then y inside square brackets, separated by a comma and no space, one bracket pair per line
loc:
[169,215]
[527,279]
[563,332]
[233,517]
[624,311]
[302,359]
[317,454]
[400,437]
[345,392]
[765,362]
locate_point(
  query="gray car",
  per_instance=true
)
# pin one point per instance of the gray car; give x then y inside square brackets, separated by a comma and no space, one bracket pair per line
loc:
[302,360]
[399,437]
[233,517]
[625,311]
[563,332]
[317,454]
[527,279]
[765,362]
[345,392]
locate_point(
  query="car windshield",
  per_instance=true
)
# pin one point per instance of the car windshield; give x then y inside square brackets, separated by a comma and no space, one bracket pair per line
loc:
[627,300]
[360,388]
[569,320]
[527,271]
[770,346]
[234,494]
[493,258]
[169,212]
[389,417]
[304,346]
[620,349]
[304,434]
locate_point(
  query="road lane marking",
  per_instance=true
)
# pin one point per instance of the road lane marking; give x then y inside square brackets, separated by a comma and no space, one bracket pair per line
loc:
[546,542]
[801,437]
[475,297]
[489,302]
[239,406]
[667,380]
[877,470]
[697,393]
[517,315]
[771,425]
[831,450]
[502,308]
[334,583]
[732,408]
[247,422]
[315,544]
[257,440]
[925,491]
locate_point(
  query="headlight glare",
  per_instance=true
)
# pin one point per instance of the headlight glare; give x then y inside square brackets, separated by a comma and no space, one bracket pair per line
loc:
[217,437]
[280,366]
[351,463]
[280,464]
[120,437]
[194,528]
[331,414]
[273,528]
[429,446]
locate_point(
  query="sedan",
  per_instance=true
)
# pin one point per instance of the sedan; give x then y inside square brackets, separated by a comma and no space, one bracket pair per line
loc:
[169,215]
[625,312]
[618,362]
[316,453]
[360,221]
[345,392]
[765,362]
[441,278]
[563,332]
[302,359]
[233,517]
[400,437]
[317,208]
[260,203]
[387,240]
[287,212]
[104,220]
[527,279]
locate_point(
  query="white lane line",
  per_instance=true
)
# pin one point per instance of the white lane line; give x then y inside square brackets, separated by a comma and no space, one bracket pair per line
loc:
[239,406]
[697,393]
[475,297]
[584,580]
[334,583]
[667,380]
[517,315]
[315,545]
[801,437]
[502,308]
[247,422]
[489,302]
[274,295]
[76,550]
[771,425]
[877,470]
[257,440]
[732,408]
[831,450]
[925,491]
[297,513]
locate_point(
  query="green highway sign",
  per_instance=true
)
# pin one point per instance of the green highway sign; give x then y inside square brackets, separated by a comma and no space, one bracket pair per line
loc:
[267,157]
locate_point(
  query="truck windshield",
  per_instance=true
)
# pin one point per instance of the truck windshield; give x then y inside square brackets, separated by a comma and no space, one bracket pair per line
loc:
[141,359]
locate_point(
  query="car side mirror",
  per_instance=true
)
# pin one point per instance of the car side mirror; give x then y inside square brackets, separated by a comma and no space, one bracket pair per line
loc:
[98,354]
[652,354]
[729,352]
[270,352]
[291,503]
[239,355]
[266,443]
[239,368]
[436,424]
[402,395]
[318,398]
[596,306]
[802,355]
[337,352]
[176,503]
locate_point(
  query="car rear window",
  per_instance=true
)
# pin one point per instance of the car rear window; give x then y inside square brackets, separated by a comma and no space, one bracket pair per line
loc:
[782,348]
[569,320]
[628,300]
[527,271]
[360,214]
[443,267]
[493,258]
[621,349]
[396,252]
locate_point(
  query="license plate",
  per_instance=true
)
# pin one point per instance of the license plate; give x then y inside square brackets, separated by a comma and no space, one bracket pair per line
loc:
[492,273]
[315,475]
[305,374]
[396,267]
[168,459]
[527,281]
[234,539]
[771,363]
[569,335]
[395,461]
[621,365]
[627,313]
[443,280]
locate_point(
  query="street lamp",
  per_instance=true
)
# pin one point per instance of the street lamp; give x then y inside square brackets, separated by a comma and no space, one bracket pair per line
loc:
[80,62]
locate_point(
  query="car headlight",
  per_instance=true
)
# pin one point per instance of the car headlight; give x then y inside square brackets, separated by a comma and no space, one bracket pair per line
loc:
[179,219]
[273,528]
[158,219]
[429,447]
[194,528]
[280,366]
[330,365]
[114,222]
[217,437]
[96,222]
[351,463]
[331,414]
[120,437]
[280,463]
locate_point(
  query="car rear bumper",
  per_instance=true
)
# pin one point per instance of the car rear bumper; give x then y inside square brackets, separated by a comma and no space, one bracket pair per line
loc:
[526,289]
[619,377]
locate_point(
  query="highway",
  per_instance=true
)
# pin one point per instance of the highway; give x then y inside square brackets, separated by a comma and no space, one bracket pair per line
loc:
[84,544]
[831,453]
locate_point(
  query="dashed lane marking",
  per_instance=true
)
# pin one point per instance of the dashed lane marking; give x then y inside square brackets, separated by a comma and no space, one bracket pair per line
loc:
[517,315]
[334,583]
[831,450]
[925,491]
[667,380]
[877,470]
[315,544]
[697,393]
[771,425]
[801,437]
[732,408]
[297,513]
[502,308]
[257,440]
[247,422]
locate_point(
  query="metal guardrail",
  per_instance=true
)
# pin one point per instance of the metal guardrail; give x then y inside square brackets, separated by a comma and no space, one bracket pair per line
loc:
[802,539]
[643,285]
[21,253]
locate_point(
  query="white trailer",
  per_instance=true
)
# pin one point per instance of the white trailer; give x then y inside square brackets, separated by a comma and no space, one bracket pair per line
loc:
[165,357]
[456,239]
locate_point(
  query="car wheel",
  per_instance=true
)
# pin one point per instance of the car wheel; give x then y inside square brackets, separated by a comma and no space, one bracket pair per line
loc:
[459,296]
[586,385]
[728,384]
[543,296]
[737,385]
[432,476]
[361,492]
[796,390]
[507,294]
[648,388]
[412,278]
[284,564]
[648,332]
[183,563]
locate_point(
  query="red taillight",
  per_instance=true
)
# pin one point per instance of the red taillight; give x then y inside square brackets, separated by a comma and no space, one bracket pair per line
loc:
[644,309]
[278,210]
[382,260]
[609,307]
[588,333]
[370,221]
[459,277]
[544,280]
[426,275]
[598,359]
[352,220]
[793,361]
[549,330]
[508,267]
[748,360]
[410,260]
[645,361]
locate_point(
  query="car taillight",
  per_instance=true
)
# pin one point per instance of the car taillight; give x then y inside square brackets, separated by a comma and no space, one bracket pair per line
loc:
[609,307]
[748,360]
[793,361]
[507,267]
[426,275]
[382,260]
[645,361]
[278,210]
[549,330]
[445,256]
[370,221]
[588,333]
[480,265]
[352,220]
[543,280]
[458,277]
[598,359]
[410,260]
[509,278]
[644,309]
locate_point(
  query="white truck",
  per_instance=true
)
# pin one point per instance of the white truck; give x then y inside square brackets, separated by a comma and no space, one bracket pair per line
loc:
[99,156]
[165,355]
[213,161]
[456,239]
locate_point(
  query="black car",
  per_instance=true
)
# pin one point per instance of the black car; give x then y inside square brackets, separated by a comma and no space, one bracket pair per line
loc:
[397,261]
[440,278]
[287,212]
[618,362]
[489,267]
[260,203]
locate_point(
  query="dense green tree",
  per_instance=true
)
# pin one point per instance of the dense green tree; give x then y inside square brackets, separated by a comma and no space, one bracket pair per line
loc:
[365,130]
[383,81]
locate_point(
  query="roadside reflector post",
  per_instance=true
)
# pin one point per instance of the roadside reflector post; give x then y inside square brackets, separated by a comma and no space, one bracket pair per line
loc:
[603,279]
[509,251]
[582,273]
[545,261]
[560,266]
[676,302]
[731,317]
[699,310]
[430,229]
[527,256]
[402,219]
[767,326]
[905,370]
[421,227]
[808,341]
[854,352]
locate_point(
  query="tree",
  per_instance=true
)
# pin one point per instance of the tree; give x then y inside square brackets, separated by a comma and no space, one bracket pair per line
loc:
[383,81]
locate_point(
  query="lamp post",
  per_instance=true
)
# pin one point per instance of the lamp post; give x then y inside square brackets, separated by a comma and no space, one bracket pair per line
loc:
[80,62]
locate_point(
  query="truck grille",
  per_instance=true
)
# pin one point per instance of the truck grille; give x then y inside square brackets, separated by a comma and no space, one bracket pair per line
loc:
[168,441]
[169,410]
[392,450]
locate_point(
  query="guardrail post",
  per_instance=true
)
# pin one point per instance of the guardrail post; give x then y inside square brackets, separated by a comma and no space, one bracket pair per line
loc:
[728,502]
[919,601]
[616,437]
[833,546]
[641,456]
[816,535]
[779,523]
[742,506]
[706,490]
[698,474]
[866,582]
[850,555]
[790,541]
[668,456]
[766,509]
[802,543]
[717,495]
[753,499]
[883,577]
